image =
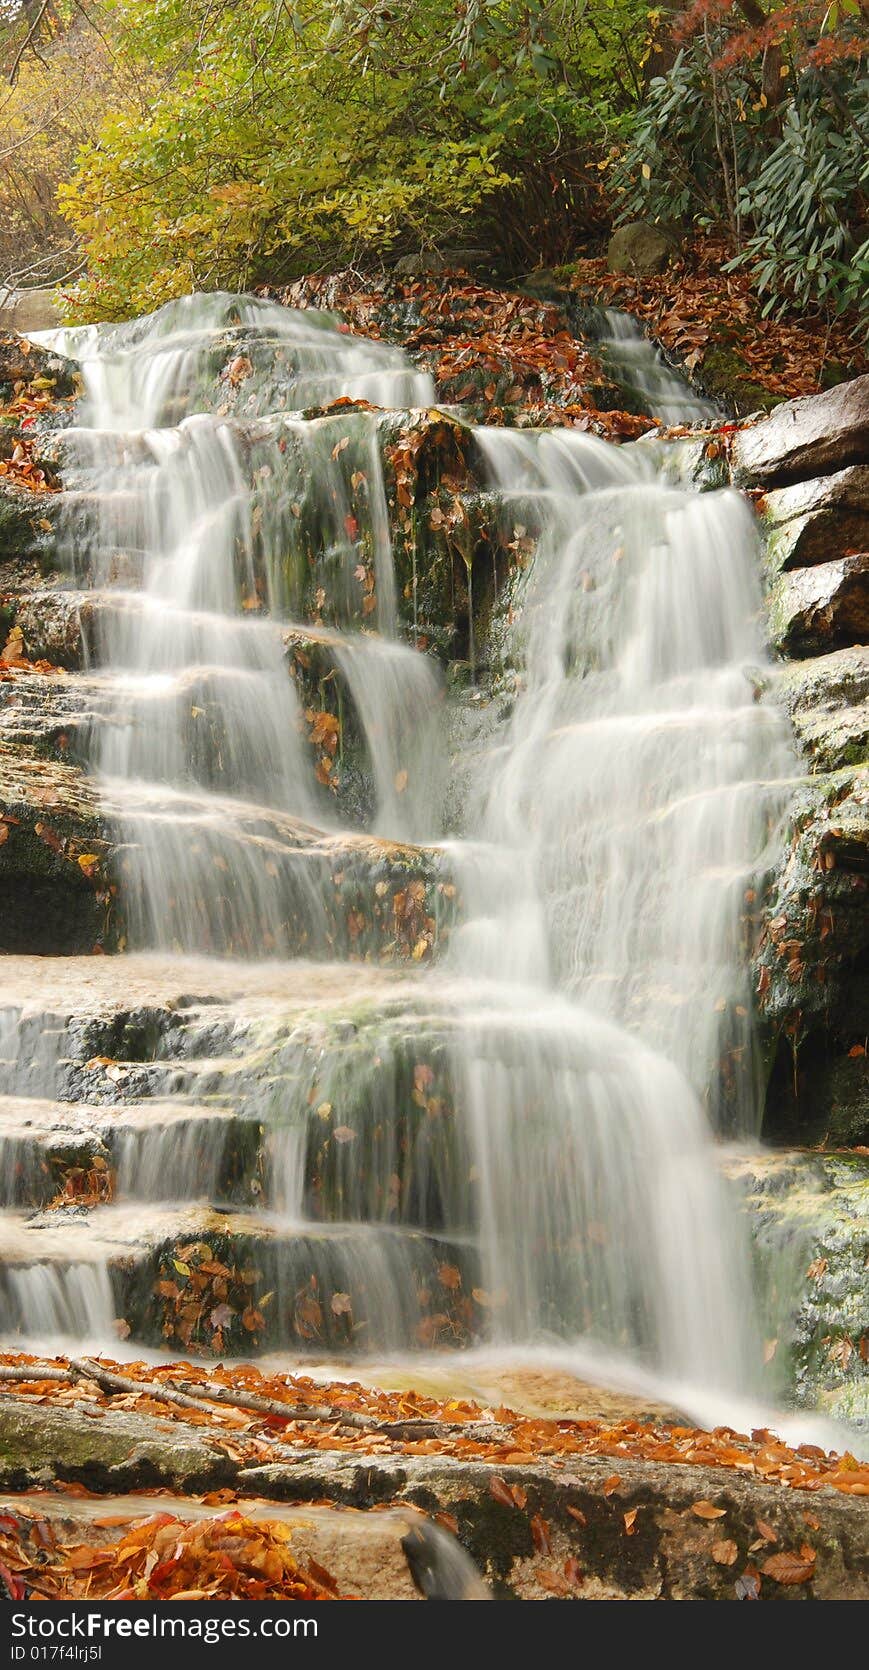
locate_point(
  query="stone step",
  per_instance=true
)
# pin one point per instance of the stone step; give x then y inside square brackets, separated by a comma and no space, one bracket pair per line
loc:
[74,855]
[332,1098]
[581,1507]
[369,1555]
[205,681]
[203,1279]
[312,548]
[148,1150]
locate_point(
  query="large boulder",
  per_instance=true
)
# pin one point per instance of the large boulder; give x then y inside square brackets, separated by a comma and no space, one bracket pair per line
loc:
[807,437]
[640,249]
[31,310]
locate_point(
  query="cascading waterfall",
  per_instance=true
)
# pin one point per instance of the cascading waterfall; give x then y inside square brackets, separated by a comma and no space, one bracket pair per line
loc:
[640,370]
[640,779]
[596,989]
[179,504]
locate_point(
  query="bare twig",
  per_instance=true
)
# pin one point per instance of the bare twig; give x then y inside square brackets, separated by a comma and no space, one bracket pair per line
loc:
[28,41]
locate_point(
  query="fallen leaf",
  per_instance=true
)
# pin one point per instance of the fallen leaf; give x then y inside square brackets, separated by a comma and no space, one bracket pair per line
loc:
[789,1569]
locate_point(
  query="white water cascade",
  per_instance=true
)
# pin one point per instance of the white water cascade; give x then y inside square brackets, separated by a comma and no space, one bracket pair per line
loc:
[176,508]
[595,995]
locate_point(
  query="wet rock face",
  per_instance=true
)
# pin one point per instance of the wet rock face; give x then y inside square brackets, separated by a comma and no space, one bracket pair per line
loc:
[827,698]
[815,939]
[810,1221]
[54,859]
[819,520]
[25,362]
[821,608]
[27,522]
[803,438]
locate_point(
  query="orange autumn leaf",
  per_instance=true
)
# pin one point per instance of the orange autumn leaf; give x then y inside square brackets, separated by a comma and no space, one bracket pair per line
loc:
[788,1569]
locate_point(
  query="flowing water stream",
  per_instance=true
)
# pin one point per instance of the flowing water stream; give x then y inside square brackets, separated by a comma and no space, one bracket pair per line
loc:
[590,1023]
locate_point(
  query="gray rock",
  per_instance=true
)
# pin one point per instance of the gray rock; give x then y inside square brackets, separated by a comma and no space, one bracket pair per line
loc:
[817,520]
[667,1556]
[27,521]
[640,249]
[807,437]
[827,699]
[30,310]
[821,608]
[430,263]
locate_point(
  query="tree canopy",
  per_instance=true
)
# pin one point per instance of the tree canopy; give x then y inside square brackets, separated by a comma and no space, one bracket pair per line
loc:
[245,140]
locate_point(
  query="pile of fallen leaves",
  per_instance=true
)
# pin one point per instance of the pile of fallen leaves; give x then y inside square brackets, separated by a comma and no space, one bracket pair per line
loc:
[350,1417]
[505,357]
[14,660]
[29,394]
[694,305]
[161,1558]
[22,469]
[511,359]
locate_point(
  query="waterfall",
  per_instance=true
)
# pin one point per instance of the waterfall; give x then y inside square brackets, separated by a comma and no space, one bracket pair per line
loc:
[207,734]
[640,779]
[555,1152]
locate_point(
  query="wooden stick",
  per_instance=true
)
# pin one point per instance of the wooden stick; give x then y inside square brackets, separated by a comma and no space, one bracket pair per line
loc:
[183,1396]
[41,1371]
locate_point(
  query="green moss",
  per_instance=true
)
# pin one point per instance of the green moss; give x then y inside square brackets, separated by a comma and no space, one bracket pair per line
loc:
[726,375]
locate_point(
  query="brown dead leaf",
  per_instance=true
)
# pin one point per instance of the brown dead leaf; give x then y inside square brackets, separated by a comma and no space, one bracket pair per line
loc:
[788,1568]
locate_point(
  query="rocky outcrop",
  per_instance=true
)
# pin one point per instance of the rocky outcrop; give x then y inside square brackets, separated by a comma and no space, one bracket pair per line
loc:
[806,467]
[592,1528]
[27,363]
[817,521]
[804,438]
[827,698]
[813,610]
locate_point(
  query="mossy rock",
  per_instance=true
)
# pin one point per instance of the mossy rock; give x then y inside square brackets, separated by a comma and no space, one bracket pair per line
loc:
[725,375]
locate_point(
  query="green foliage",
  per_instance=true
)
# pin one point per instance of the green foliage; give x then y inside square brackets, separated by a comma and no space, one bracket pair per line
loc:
[288,138]
[802,201]
[785,171]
